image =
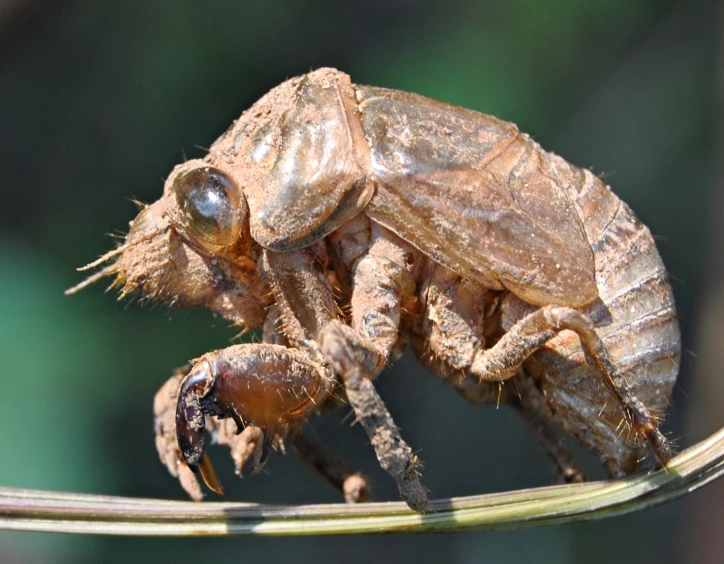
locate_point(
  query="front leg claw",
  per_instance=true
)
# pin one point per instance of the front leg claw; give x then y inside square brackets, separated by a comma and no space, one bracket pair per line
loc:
[266,387]
[196,388]
[164,409]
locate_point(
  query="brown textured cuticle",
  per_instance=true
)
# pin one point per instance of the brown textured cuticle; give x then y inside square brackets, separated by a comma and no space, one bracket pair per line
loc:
[348,221]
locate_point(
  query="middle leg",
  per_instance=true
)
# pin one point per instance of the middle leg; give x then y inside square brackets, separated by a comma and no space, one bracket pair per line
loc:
[381,281]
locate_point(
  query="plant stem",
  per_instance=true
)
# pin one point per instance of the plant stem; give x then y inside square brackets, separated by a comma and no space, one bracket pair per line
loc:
[35,510]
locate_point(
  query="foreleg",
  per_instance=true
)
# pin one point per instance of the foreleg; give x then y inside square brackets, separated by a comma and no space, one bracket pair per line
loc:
[267,390]
[245,447]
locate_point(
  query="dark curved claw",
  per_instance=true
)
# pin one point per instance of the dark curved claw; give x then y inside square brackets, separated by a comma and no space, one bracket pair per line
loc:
[265,386]
[190,424]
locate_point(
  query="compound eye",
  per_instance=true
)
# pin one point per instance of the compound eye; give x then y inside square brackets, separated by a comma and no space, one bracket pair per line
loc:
[211,205]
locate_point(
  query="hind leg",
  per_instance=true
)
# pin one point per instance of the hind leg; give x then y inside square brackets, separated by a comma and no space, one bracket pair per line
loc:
[454,334]
[528,335]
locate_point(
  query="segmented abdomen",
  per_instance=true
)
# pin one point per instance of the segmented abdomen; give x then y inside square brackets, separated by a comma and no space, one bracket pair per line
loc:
[635,316]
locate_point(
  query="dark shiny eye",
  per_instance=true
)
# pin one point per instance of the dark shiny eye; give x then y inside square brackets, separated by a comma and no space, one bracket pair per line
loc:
[211,206]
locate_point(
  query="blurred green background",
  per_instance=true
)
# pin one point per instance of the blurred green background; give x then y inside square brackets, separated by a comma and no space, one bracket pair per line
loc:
[98,101]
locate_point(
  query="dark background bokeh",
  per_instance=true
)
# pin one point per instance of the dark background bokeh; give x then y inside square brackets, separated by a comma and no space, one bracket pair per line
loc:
[98,101]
